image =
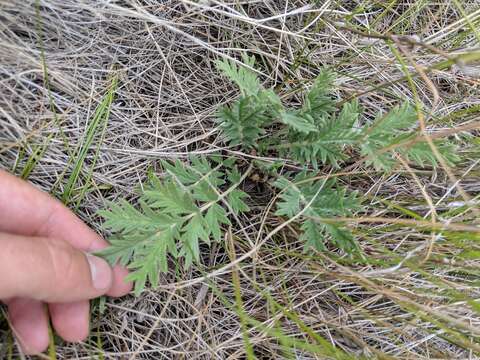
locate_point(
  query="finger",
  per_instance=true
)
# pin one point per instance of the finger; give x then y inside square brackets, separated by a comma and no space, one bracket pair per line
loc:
[29,322]
[50,270]
[71,321]
[36,213]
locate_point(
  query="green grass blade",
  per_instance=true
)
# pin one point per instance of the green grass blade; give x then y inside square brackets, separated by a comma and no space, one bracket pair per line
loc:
[99,119]
[239,304]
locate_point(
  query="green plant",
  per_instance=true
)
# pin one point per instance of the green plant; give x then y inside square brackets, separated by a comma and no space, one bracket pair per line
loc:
[191,204]
[173,216]
[317,133]
[321,201]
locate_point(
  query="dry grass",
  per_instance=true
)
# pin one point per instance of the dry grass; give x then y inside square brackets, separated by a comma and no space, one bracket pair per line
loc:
[413,296]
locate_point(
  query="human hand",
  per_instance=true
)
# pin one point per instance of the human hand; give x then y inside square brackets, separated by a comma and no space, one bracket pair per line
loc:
[44,265]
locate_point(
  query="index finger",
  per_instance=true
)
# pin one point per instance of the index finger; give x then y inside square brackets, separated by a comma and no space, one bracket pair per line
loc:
[25,210]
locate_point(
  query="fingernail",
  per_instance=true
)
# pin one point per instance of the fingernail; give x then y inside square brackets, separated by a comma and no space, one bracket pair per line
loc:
[100,271]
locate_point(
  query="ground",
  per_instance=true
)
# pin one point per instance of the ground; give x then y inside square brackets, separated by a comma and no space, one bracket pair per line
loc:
[415,294]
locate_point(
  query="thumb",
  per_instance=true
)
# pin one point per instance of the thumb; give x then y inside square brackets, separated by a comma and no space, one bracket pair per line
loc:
[50,270]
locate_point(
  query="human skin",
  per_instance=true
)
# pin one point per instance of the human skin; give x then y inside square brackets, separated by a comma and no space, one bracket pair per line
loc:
[46,271]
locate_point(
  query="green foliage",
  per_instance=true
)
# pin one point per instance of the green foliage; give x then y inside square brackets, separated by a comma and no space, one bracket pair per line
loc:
[319,102]
[242,123]
[174,216]
[326,145]
[191,205]
[392,130]
[319,202]
[319,133]
[244,77]
[298,122]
